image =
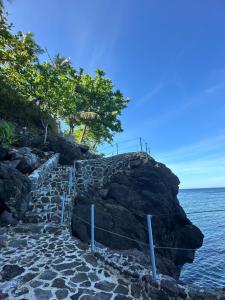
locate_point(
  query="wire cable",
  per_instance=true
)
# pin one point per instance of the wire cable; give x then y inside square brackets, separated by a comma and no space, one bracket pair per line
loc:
[146,244]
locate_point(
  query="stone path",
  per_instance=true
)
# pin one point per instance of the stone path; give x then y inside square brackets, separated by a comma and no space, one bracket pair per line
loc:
[40,259]
[41,262]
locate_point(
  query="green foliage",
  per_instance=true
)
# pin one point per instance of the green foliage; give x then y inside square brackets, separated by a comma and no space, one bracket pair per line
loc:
[17,109]
[7,134]
[90,105]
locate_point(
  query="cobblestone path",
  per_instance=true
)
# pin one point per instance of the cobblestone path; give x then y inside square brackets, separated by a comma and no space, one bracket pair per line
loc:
[45,262]
[42,261]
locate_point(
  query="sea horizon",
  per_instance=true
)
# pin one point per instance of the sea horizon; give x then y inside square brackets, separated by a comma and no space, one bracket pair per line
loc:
[202,188]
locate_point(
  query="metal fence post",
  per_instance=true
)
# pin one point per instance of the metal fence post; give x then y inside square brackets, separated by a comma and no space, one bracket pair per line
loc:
[151,247]
[92,227]
[141,143]
[74,168]
[70,181]
[63,208]
[146,148]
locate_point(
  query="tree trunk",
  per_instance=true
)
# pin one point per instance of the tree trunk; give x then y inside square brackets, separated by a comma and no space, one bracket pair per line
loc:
[94,146]
[45,126]
[83,134]
[46,134]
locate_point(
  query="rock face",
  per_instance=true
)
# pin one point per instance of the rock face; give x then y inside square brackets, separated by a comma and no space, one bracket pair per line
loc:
[126,188]
[14,192]
[68,151]
[27,161]
[22,159]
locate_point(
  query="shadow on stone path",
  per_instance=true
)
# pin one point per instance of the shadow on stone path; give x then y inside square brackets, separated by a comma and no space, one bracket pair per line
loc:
[40,261]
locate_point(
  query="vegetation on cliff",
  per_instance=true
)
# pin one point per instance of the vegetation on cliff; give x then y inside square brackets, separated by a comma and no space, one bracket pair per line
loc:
[50,90]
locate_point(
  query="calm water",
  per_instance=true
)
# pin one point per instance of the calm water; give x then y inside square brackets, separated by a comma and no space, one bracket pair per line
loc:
[208,269]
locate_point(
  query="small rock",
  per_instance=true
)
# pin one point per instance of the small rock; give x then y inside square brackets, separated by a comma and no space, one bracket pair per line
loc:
[65,266]
[59,283]
[105,286]
[11,271]
[91,260]
[28,277]
[48,275]
[102,296]
[61,294]
[42,294]
[86,284]
[121,289]
[80,277]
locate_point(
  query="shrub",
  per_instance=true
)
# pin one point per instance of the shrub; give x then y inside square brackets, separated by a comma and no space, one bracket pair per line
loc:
[7,134]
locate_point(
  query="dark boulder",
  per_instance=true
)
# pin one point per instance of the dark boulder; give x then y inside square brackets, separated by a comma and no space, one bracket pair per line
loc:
[3,153]
[14,191]
[26,161]
[147,187]
[69,151]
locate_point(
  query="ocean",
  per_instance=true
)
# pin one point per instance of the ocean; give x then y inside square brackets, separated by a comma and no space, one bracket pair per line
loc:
[208,269]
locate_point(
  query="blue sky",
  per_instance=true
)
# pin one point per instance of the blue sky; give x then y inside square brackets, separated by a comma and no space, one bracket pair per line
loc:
[167,56]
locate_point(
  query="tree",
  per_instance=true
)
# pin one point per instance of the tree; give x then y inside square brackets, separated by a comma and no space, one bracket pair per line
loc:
[105,106]
[89,104]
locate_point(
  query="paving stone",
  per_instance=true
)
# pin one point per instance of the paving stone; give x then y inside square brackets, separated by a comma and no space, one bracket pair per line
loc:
[22,291]
[105,286]
[91,260]
[103,296]
[122,297]
[36,283]
[65,266]
[93,277]
[80,293]
[121,289]
[48,275]
[83,269]
[86,284]
[68,272]
[28,277]
[42,294]
[61,294]
[11,271]
[79,278]
[59,283]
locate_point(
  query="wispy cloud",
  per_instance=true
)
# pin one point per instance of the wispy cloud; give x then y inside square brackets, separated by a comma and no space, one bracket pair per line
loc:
[151,93]
[198,164]
[215,88]
[201,148]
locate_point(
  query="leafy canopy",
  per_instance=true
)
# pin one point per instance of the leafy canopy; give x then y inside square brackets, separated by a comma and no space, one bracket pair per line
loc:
[90,105]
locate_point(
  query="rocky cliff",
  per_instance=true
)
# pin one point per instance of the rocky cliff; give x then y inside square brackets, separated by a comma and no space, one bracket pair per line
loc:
[51,264]
[124,189]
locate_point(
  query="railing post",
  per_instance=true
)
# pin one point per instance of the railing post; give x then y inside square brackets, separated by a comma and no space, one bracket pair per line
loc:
[92,227]
[63,208]
[141,143]
[74,168]
[151,247]
[146,148]
[70,181]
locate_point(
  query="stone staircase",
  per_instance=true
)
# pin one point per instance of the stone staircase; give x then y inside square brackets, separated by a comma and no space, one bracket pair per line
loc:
[46,202]
[40,260]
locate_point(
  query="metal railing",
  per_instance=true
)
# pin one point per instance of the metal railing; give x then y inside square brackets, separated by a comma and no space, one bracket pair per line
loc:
[138,144]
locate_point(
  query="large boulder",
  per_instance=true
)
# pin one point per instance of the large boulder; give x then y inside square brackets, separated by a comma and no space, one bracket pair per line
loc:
[121,206]
[69,151]
[24,160]
[14,192]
